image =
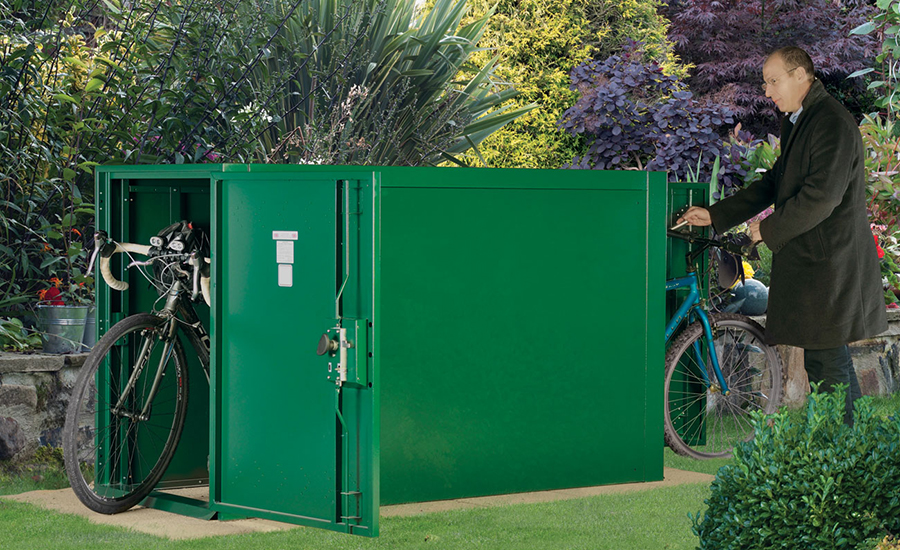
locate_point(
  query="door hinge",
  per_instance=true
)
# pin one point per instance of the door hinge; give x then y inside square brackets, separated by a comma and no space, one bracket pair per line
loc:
[356,494]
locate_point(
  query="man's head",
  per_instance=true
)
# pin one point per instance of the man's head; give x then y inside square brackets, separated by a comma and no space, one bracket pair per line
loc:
[788,74]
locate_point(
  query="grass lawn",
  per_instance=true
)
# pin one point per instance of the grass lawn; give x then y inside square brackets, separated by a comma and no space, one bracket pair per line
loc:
[651,519]
[647,519]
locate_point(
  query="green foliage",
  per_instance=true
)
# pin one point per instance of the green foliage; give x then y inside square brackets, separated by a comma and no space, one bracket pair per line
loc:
[86,83]
[762,268]
[538,43]
[611,23]
[46,240]
[889,246]
[761,158]
[886,27]
[880,138]
[889,542]
[369,82]
[809,482]
[43,471]
[49,456]
[14,337]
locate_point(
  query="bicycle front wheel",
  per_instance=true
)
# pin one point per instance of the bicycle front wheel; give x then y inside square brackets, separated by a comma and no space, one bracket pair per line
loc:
[126,414]
[701,420]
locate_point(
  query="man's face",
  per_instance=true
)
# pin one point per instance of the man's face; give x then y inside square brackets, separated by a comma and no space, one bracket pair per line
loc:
[786,86]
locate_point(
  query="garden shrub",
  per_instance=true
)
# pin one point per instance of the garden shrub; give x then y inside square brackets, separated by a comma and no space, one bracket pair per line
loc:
[84,83]
[539,42]
[808,481]
[887,543]
[885,27]
[636,117]
[14,337]
[612,23]
[372,82]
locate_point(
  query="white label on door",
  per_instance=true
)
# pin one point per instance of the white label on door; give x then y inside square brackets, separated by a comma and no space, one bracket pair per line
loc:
[285,275]
[284,235]
[284,252]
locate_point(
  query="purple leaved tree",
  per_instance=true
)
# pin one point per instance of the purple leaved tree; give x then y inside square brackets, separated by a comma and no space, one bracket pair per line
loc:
[728,40]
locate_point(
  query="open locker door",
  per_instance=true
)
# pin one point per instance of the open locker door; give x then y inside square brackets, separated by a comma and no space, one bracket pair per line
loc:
[295,434]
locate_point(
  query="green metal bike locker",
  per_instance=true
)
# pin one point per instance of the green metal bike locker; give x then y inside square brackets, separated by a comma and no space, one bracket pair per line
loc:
[494,331]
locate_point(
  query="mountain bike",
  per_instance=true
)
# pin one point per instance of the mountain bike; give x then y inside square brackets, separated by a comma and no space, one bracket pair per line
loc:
[129,403]
[719,369]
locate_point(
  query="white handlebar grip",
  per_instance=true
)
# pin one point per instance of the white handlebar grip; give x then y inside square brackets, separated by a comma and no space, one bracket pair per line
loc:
[142,249]
[113,283]
[204,289]
[110,279]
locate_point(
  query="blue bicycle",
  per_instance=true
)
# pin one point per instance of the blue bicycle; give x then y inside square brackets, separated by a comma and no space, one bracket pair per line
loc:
[718,368]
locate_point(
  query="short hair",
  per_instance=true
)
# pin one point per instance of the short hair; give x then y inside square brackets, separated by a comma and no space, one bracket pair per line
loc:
[796,57]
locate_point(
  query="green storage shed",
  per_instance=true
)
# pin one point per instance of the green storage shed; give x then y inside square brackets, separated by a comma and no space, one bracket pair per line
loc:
[505,331]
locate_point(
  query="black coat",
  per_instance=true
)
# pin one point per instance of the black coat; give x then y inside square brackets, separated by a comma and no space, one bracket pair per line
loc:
[825,288]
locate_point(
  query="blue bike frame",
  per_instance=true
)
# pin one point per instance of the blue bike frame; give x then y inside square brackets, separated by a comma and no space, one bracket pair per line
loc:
[689,308]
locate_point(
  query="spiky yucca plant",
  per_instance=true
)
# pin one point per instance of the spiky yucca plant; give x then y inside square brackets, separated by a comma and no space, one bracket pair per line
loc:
[371,82]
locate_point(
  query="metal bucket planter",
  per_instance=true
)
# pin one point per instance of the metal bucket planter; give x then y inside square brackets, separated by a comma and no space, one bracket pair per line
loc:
[62,327]
[90,330]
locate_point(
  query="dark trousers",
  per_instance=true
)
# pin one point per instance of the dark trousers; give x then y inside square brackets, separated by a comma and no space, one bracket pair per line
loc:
[831,367]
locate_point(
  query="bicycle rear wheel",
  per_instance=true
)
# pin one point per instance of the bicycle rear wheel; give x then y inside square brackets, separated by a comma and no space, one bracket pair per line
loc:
[117,444]
[701,421]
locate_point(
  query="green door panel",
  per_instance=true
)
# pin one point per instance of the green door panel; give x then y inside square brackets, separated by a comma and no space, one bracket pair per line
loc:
[276,409]
[514,331]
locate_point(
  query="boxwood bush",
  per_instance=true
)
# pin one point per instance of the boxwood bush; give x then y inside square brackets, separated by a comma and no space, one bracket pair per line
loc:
[807,481]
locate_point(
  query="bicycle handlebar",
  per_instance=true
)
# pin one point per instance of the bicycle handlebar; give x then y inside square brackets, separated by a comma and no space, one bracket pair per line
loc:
[736,249]
[107,250]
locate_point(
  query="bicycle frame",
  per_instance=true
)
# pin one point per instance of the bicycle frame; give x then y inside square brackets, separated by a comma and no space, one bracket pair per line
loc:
[175,303]
[689,309]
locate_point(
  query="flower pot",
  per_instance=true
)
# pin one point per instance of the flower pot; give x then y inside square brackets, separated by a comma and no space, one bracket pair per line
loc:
[62,327]
[90,330]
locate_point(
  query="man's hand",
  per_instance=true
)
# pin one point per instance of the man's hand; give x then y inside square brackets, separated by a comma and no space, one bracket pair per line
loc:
[755,235]
[696,215]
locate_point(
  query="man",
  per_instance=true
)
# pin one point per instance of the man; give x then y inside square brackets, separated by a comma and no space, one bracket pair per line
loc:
[826,283]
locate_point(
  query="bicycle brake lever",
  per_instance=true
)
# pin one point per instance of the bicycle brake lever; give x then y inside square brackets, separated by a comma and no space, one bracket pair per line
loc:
[195,262]
[100,239]
[750,251]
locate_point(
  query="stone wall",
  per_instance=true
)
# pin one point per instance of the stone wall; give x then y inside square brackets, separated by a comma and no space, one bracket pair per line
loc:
[34,394]
[877,363]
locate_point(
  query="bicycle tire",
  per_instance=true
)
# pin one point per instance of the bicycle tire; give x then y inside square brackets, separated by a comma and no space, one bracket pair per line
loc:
[701,422]
[128,453]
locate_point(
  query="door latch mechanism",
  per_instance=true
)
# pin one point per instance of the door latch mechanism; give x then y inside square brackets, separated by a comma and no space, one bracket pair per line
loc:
[335,343]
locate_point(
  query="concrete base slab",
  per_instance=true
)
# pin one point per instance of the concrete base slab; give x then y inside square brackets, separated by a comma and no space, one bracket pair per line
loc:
[671,477]
[150,521]
[176,527]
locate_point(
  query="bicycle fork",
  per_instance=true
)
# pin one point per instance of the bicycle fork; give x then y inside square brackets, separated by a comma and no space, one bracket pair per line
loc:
[168,337]
[119,408]
[722,385]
